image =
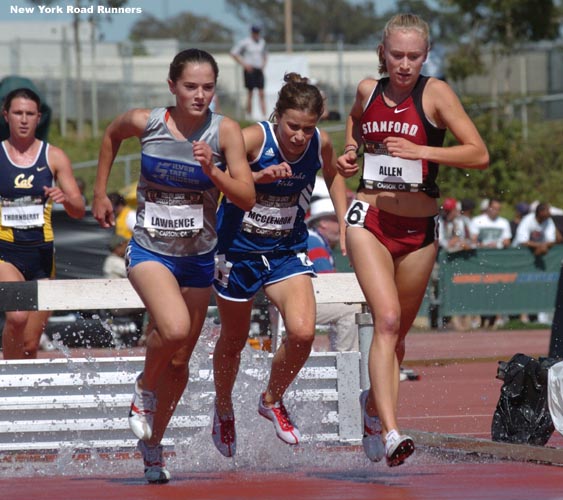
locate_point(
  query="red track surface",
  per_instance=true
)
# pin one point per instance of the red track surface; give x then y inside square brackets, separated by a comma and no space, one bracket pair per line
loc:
[456,394]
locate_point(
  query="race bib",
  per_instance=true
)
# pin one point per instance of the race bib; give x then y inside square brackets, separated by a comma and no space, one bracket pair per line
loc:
[380,167]
[356,213]
[272,216]
[22,216]
[174,215]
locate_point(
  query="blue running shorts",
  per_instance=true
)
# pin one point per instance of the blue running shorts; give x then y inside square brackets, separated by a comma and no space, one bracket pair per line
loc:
[35,262]
[194,271]
[239,276]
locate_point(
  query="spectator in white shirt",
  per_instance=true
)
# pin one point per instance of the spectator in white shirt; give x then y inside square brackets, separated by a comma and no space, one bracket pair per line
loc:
[536,230]
[490,229]
[455,229]
[251,53]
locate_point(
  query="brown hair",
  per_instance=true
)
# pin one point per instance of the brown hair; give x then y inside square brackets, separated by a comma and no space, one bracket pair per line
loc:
[21,92]
[402,22]
[298,93]
[182,59]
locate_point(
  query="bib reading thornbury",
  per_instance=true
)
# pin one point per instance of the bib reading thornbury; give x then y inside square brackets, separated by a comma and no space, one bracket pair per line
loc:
[174,215]
[23,213]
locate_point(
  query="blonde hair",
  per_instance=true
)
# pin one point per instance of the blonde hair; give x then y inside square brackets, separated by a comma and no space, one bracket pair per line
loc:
[404,22]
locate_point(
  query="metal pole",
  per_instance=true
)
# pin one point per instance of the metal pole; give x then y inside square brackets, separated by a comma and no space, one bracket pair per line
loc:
[288,11]
[15,56]
[340,47]
[364,321]
[94,85]
[64,83]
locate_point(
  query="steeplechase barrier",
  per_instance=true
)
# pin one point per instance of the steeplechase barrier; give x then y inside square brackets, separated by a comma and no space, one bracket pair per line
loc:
[76,405]
[82,403]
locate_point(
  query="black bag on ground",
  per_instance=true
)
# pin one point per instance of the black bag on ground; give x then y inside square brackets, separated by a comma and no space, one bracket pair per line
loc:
[522,413]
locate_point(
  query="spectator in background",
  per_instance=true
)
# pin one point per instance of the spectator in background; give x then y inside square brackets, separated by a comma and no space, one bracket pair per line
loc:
[455,229]
[125,216]
[467,208]
[483,205]
[251,53]
[114,263]
[324,235]
[490,229]
[455,236]
[536,231]
[520,210]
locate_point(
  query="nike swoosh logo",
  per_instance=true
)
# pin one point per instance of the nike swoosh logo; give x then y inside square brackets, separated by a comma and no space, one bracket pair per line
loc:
[411,231]
[397,110]
[40,169]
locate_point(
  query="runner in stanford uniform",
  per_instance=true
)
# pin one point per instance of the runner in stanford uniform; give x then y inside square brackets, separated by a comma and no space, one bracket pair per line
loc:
[189,155]
[391,233]
[266,247]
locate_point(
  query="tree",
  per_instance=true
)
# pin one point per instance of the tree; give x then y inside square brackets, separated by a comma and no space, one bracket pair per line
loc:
[501,25]
[185,27]
[314,22]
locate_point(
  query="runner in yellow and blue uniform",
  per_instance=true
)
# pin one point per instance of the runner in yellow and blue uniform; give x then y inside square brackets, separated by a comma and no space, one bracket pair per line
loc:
[33,176]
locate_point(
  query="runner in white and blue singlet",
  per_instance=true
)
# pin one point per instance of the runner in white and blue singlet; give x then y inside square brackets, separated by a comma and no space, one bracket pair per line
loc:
[265,247]
[189,155]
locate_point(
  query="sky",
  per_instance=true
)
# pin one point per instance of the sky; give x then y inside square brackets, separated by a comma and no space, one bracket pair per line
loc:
[118,29]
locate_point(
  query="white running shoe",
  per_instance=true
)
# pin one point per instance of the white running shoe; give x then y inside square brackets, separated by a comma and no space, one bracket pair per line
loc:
[397,448]
[277,414]
[141,414]
[224,434]
[155,468]
[372,440]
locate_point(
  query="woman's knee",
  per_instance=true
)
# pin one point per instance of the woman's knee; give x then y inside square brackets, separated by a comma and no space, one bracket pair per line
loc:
[388,322]
[302,334]
[174,332]
[17,320]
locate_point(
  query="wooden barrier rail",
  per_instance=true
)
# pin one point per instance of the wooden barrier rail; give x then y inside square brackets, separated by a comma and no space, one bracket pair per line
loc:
[84,294]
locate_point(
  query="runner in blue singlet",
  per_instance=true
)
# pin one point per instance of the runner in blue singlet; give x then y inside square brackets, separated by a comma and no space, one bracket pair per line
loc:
[266,247]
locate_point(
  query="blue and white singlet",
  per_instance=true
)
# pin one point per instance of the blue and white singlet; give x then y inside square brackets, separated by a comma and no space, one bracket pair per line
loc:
[276,223]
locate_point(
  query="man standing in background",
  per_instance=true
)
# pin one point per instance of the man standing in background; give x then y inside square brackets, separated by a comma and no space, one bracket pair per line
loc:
[251,54]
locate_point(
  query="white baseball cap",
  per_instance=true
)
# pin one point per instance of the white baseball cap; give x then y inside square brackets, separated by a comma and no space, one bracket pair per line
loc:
[320,190]
[320,208]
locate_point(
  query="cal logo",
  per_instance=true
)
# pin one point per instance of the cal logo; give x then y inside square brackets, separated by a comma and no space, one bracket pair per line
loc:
[21,182]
